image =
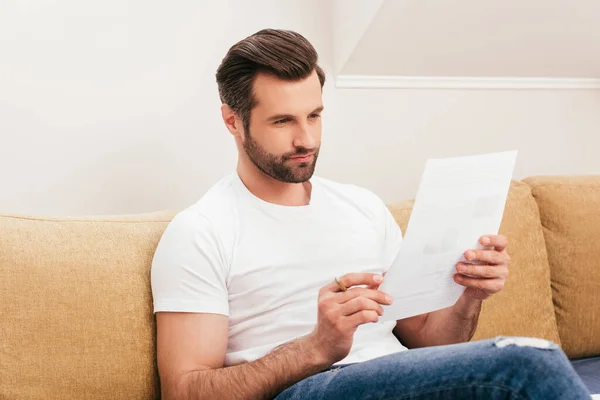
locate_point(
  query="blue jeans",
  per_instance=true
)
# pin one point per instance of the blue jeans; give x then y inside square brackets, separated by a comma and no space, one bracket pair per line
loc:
[500,368]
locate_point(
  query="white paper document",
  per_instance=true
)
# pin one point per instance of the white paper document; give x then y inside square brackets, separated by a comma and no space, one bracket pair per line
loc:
[459,200]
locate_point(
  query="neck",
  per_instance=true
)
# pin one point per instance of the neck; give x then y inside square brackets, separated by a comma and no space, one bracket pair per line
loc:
[271,190]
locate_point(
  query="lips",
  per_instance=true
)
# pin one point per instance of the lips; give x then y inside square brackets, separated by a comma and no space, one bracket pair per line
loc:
[302,158]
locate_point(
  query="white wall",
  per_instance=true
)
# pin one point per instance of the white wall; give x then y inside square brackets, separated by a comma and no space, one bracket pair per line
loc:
[350,19]
[383,137]
[532,38]
[111,107]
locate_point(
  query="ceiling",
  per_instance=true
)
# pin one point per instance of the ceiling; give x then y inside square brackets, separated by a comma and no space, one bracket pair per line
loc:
[470,38]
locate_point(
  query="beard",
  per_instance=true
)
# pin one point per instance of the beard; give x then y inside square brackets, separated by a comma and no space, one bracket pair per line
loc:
[280,167]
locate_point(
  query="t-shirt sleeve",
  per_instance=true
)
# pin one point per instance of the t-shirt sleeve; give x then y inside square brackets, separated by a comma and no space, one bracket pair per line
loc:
[189,267]
[392,238]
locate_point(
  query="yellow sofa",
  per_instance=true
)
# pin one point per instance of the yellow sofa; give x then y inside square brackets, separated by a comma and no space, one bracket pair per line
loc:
[76,315]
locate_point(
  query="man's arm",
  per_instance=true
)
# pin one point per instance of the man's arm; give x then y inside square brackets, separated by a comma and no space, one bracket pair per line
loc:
[191,356]
[191,347]
[457,324]
[450,325]
[260,379]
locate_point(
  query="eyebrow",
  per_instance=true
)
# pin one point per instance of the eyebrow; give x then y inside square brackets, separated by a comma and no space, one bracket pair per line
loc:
[284,116]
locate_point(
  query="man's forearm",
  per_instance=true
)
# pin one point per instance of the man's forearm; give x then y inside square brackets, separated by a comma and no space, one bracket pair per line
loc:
[451,325]
[260,379]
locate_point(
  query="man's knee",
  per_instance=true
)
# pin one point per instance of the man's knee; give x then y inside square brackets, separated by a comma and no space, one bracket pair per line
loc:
[539,368]
[530,354]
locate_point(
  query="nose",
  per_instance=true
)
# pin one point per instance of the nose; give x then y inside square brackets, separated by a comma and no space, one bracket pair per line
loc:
[305,136]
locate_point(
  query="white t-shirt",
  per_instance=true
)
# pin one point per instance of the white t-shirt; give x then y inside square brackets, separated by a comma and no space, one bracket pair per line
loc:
[262,264]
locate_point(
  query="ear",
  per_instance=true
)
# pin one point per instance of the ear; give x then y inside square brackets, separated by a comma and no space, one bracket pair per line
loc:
[232,121]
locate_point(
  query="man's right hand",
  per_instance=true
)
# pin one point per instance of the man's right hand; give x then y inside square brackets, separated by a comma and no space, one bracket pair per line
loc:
[340,313]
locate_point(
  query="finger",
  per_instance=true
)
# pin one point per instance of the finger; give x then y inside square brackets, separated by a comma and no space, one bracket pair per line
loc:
[498,241]
[360,303]
[361,317]
[374,286]
[375,295]
[486,256]
[483,271]
[353,279]
[487,285]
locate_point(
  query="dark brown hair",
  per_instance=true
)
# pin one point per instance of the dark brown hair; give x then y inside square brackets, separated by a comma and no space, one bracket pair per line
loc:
[284,54]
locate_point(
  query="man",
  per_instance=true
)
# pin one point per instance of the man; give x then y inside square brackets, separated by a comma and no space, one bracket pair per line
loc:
[272,277]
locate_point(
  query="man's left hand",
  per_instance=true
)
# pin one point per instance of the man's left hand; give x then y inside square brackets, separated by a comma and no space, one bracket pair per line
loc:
[487,278]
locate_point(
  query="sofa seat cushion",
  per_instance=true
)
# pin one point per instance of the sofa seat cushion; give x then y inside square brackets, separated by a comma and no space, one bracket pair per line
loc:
[570,214]
[524,307]
[76,307]
[589,371]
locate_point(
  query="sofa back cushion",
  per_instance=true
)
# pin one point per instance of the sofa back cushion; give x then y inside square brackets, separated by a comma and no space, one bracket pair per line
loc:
[524,307]
[570,213]
[76,307]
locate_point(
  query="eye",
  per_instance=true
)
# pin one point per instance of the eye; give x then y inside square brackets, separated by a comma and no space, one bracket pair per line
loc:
[281,121]
[314,116]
